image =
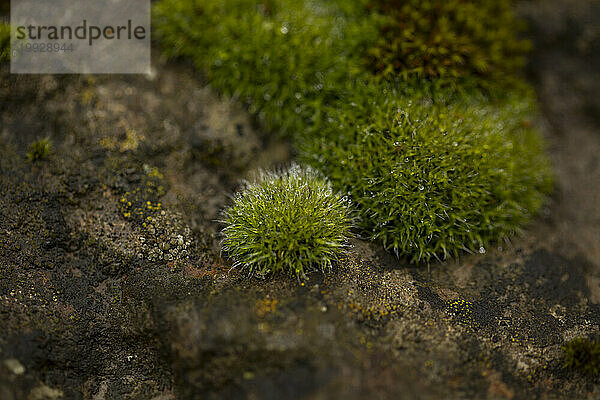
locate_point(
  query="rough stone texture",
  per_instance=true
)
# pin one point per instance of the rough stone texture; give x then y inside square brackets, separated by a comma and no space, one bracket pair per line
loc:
[102,299]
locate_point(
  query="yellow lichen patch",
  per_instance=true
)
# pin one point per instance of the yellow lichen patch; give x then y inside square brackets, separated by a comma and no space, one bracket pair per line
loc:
[377,312]
[153,172]
[109,143]
[140,209]
[462,310]
[460,307]
[130,143]
[141,204]
[162,235]
[87,97]
[132,140]
[265,306]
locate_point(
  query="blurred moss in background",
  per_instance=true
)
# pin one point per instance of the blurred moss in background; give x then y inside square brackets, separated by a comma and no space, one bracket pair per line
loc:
[440,39]
[402,108]
[283,59]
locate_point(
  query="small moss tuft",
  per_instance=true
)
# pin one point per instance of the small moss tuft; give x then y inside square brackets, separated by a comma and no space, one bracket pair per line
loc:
[289,221]
[39,150]
[583,355]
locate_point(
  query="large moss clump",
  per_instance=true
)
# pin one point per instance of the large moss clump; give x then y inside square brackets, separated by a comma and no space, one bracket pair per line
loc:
[433,175]
[433,170]
[447,38]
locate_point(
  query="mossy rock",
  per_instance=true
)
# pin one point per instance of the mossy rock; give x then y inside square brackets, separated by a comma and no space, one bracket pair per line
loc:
[433,170]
